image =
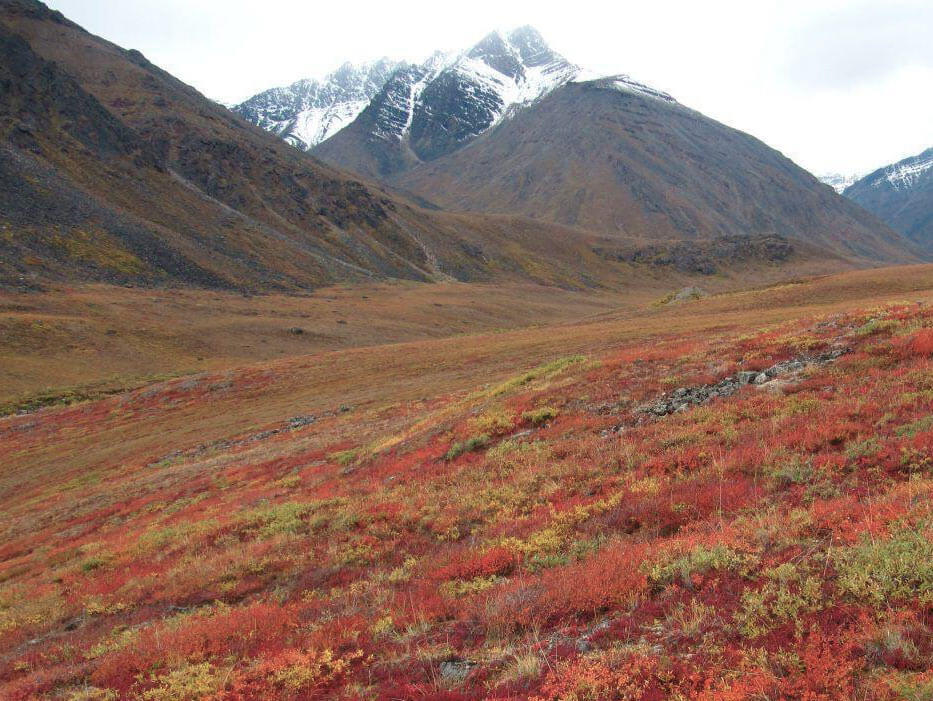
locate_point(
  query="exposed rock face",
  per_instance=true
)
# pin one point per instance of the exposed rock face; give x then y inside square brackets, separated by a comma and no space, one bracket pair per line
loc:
[706,256]
[901,195]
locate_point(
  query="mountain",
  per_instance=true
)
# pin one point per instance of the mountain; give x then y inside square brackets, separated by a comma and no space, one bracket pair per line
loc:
[113,170]
[838,181]
[427,111]
[901,195]
[309,111]
[619,158]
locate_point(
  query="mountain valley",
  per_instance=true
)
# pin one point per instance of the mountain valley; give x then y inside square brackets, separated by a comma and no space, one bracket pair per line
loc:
[482,377]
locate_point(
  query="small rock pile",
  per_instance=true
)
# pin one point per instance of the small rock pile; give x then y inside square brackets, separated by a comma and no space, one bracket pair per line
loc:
[293,424]
[683,398]
[456,669]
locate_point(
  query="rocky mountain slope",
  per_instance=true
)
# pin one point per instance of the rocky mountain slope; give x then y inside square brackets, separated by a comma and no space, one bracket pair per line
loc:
[307,112]
[619,158]
[901,195]
[113,170]
[427,111]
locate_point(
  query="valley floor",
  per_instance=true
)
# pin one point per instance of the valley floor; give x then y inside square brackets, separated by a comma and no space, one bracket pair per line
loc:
[481,508]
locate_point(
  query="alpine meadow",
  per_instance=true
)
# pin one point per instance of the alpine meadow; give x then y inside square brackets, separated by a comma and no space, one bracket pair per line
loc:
[479,376]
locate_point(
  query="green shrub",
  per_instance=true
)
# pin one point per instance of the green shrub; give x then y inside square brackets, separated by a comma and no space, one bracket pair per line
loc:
[274,519]
[786,597]
[911,688]
[552,368]
[875,326]
[93,563]
[698,561]
[343,457]
[190,681]
[900,567]
[912,429]
[467,446]
[536,417]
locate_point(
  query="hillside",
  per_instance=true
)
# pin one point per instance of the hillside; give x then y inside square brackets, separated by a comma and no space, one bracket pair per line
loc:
[113,170]
[564,512]
[615,158]
[901,195]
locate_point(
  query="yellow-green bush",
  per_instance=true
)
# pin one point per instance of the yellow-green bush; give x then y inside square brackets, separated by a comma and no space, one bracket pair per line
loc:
[899,567]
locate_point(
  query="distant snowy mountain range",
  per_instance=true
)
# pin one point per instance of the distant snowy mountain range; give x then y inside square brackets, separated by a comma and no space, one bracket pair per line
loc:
[309,111]
[838,181]
[447,99]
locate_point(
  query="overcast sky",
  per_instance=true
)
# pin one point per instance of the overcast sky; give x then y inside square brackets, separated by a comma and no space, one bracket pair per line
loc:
[836,85]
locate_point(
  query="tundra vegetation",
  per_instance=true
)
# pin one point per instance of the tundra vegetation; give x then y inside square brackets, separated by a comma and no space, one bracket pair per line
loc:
[536,537]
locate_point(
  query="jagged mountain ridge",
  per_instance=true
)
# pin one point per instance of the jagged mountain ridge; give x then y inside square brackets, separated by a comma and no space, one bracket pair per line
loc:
[901,194]
[429,108]
[427,111]
[307,112]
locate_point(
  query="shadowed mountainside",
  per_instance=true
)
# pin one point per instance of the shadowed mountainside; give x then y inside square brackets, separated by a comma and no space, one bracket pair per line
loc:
[901,195]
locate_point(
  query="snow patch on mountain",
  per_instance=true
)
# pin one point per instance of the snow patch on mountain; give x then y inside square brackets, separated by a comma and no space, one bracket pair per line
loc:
[905,174]
[309,111]
[838,181]
[626,84]
[498,75]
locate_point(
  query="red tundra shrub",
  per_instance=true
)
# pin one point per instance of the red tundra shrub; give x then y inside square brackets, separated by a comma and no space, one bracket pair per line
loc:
[495,561]
[610,578]
[918,344]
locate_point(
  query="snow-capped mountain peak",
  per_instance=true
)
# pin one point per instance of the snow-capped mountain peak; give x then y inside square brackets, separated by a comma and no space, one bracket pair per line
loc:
[428,110]
[309,111]
[624,83]
[450,99]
